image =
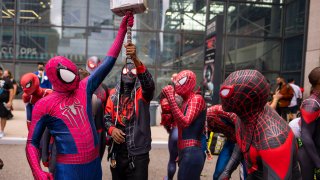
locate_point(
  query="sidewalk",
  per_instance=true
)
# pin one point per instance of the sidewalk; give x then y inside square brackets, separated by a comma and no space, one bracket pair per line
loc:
[16,131]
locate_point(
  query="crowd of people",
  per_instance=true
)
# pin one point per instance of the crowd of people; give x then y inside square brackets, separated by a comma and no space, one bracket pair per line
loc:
[72,117]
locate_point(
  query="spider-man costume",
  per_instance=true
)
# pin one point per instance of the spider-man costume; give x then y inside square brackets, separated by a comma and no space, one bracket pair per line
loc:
[32,92]
[309,153]
[67,113]
[169,124]
[223,122]
[190,120]
[262,135]
[102,94]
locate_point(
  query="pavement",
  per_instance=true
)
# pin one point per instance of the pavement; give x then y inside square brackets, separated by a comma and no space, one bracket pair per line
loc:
[12,152]
[16,132]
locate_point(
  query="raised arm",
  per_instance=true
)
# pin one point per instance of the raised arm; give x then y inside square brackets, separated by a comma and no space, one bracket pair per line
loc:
[37,128]
[144,76]
[103,70]
[195,106]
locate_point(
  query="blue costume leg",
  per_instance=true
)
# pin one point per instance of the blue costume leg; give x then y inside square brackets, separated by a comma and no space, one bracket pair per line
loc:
[191,162]
[89,171]
[223,159]
[173,151]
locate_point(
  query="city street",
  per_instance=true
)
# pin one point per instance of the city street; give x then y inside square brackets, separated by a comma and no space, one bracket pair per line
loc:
[16,166]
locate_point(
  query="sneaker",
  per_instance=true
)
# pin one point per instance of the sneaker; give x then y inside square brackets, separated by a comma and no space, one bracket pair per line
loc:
[1,134]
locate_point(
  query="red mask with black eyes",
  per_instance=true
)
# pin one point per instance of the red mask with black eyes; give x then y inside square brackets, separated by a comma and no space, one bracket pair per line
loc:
[185,82]
[29,83]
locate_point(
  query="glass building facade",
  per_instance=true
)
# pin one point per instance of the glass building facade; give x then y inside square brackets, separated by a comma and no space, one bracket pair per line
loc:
[268,35]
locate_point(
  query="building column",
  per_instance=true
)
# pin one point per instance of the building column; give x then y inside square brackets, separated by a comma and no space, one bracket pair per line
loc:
[313,44]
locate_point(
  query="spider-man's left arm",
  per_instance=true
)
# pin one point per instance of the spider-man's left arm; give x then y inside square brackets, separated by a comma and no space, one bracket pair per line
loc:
[103,70]
[195,106]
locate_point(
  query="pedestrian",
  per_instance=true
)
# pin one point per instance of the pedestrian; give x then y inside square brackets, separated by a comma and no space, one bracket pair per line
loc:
[8,74]
[42,75]
[6,98]
[67,113]
[310,129]
[287,93]
[190,119]
[128,120]
[295,101]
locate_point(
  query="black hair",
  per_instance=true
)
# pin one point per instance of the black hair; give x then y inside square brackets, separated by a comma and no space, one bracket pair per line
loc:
[40,63]
[290,80]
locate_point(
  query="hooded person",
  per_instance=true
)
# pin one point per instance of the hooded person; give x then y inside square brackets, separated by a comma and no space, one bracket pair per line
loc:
[263,137]
[67,113]
[127,120]
[190,120]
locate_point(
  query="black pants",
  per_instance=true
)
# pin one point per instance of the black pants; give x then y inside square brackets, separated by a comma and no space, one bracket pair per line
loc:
[122,171]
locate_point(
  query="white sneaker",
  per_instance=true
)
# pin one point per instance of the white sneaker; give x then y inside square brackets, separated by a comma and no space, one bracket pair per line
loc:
[1,134]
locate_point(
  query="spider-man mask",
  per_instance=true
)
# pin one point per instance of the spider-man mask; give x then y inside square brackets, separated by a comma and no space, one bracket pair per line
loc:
[129,74]
[92,63]
[63,74]
[244,92]
[29,83]
[184,83]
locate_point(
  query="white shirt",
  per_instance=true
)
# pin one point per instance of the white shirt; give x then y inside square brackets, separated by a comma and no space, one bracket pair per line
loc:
[295,127]
[297,94]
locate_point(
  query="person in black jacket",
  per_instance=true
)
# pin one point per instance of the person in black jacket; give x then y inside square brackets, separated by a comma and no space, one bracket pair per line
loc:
[127,120]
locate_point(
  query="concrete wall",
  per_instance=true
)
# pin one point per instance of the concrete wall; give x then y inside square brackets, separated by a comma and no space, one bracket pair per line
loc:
[313,43]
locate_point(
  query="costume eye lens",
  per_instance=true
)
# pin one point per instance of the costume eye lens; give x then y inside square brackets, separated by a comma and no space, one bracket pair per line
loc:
[134,71]
[124,71]
[91,65]
[183,80]
[28,85]
[225,92]
[67,75]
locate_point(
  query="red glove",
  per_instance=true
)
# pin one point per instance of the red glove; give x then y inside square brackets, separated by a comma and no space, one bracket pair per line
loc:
[45,164]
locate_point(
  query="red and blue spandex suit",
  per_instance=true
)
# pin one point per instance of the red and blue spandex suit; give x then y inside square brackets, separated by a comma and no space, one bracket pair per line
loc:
[32,92]
[67,113]
[190,120]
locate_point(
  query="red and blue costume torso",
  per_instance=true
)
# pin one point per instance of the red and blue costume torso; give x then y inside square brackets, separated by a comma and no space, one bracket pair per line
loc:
[264,138]
[67,113]
[190,120]
[32,92]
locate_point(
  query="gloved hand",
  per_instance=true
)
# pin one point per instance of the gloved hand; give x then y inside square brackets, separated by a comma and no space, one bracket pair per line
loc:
[45,163]
[168,91]
[42,175]
[128,19]
[224,176]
